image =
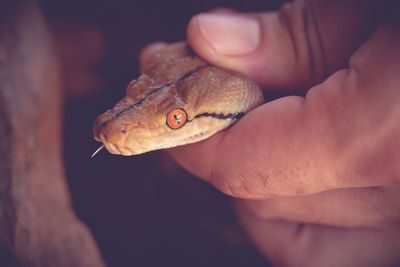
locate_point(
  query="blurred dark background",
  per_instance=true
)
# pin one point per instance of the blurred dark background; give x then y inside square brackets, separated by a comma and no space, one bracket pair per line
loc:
[142,210]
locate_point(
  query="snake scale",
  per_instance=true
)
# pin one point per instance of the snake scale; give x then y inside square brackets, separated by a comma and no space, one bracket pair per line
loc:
[179,99]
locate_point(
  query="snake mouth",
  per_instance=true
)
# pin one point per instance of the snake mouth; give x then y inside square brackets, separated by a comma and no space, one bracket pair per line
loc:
[100,137]
[115,149]
[115,143]
[112,148]
[113,139]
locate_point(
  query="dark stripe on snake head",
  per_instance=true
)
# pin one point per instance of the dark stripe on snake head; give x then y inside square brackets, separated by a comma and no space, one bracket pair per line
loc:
[155,89]
[221,116]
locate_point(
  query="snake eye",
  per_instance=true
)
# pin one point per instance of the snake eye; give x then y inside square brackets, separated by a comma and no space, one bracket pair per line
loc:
[176,118]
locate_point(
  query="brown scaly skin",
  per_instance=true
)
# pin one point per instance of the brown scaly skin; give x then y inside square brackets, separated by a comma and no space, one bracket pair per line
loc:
[175,78]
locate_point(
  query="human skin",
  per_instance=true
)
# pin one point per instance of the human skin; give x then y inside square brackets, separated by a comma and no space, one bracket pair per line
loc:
[315,177]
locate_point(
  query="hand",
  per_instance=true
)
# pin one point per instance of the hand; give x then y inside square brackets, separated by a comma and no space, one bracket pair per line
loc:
[328,158]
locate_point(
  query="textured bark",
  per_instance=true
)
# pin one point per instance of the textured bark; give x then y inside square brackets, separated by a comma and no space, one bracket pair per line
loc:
[37,224]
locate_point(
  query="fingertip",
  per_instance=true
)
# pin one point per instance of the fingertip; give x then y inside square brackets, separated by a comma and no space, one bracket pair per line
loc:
[197,41]
[232,41]
[224,34]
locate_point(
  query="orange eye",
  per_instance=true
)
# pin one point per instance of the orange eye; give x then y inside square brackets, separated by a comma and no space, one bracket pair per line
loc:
[176,118]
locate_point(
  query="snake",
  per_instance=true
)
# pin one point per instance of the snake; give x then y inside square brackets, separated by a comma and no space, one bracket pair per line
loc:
[179,99]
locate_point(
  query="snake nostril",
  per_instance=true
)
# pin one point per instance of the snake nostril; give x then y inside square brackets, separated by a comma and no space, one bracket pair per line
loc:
[96,132]
[99,126]
[103,120]
[124,130]
[103,124]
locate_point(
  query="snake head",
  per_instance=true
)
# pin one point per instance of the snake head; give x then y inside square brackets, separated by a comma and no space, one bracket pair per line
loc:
[179,99]
[139,122]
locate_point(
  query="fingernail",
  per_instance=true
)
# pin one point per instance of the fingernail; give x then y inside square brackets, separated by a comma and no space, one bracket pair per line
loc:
[230,35]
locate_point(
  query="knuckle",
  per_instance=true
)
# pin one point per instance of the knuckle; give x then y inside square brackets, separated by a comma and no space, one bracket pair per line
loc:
[301,21]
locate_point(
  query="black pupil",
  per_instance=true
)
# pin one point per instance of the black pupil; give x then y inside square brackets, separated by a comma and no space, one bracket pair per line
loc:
[176,118]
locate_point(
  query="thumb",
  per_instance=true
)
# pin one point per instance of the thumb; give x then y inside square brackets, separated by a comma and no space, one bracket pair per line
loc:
[294,48]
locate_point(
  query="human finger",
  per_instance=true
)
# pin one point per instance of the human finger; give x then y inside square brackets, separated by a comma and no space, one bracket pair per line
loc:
[344,133]
[296,244]
[291,49]
[353,207]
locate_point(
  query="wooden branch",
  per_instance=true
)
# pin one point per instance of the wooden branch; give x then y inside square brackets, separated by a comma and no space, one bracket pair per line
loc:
[37,223]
